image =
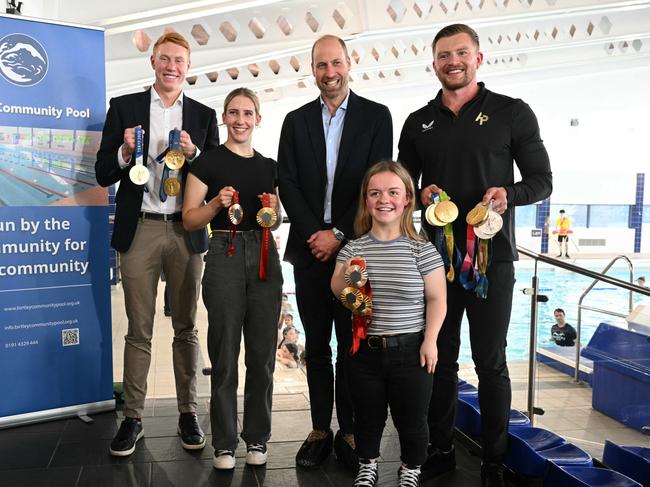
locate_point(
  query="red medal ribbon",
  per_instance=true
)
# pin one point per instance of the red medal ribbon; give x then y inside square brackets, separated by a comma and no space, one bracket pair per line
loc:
[233,227]
[360,323]
[266,241]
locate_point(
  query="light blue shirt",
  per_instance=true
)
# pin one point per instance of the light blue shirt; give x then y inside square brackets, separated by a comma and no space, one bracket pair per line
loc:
[333,129]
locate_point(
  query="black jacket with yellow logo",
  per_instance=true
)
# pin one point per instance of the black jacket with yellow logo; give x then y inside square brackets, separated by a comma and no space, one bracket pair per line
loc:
[467,153]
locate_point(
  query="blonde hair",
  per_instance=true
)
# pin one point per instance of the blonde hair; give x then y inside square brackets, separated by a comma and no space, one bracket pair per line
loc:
[363,220]
[250,94]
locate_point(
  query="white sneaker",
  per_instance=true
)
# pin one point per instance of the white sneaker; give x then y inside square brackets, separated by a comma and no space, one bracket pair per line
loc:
[256,454]
[224,460]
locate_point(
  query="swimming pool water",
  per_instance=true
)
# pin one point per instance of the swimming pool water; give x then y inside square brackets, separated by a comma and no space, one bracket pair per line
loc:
[563,289]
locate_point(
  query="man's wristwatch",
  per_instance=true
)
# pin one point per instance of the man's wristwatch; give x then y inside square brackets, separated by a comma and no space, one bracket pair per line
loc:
[338,234]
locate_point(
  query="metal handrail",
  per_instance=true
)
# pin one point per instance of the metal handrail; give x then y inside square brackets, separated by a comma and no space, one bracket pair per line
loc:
[532,360]
[576,375]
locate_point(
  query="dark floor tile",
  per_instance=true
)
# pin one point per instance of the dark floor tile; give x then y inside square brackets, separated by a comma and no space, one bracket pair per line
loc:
[200,473]
[103,427]
[290,425]
[33,450]
[295,478]
[45,427]
[50,477]
[283,454]
[125,475]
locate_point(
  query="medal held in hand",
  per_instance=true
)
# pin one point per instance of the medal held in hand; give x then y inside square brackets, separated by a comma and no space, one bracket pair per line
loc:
[477,215]
[430,212]
[351,298]
[357,297]
[235,215]
[235,211]
[446,211]
[139,174]
[489,227]
[356,276]
[174,159]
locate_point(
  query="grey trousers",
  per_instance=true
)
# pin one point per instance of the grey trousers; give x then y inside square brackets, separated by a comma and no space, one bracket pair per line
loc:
[238,301]
[157,246]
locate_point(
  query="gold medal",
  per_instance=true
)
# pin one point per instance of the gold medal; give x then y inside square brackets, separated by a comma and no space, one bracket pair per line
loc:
[351,298]
[235,213]
[139,174]
[430,215]
[356,276]
[266,217]
[172,186]
[477,215]
[490,227]
[365,306]
[174,159]
[446,211]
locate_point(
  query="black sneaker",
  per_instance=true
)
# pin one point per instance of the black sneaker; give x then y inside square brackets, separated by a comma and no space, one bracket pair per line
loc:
[256,454]
[408,476]
[368,474]
[129,433]
[438,463]
[492,475]
[224,460]
[192,438]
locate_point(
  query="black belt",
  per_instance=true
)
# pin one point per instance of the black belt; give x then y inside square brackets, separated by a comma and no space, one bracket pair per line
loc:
[393,341]
[162,217]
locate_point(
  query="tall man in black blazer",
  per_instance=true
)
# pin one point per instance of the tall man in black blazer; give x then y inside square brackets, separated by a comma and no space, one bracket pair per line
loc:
[325,148]
[149,234]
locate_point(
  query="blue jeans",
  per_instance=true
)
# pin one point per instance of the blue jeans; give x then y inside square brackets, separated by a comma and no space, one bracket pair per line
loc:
[237,300]
[382,377]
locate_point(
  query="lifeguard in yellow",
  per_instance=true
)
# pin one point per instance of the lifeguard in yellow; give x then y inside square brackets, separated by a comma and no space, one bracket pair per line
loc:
[563,229]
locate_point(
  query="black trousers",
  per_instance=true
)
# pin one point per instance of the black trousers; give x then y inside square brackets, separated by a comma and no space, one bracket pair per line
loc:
[393,377]
[488,326]
[318,308]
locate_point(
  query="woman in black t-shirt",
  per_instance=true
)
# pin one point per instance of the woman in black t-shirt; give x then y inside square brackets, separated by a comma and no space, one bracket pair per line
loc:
[242,281]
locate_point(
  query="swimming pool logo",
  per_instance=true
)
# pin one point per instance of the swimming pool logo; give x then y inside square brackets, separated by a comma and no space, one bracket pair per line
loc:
[23,60]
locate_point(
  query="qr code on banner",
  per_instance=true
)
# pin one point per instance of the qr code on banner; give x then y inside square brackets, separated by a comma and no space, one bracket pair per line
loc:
[70,336]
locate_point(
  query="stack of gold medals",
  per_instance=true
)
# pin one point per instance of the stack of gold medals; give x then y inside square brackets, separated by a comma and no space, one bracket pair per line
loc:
[357,297]
[353,296]
[174,160]
[442,213]
[485,220]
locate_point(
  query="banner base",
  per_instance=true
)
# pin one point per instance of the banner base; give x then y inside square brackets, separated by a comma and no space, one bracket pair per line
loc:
[58,413]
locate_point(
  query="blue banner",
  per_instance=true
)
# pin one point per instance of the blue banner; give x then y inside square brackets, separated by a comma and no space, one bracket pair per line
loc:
[55,317]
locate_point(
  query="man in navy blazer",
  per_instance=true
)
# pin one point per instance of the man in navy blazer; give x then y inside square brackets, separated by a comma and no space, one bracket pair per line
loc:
[325,148]
[148,233]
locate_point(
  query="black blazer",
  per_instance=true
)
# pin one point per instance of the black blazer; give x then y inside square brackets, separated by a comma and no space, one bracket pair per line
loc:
[367,138]
[127,111]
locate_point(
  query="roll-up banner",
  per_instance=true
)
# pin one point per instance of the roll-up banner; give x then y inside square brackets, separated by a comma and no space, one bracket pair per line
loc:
[55,315]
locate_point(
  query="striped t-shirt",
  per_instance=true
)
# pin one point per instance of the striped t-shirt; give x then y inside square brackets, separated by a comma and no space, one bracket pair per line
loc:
[395,269]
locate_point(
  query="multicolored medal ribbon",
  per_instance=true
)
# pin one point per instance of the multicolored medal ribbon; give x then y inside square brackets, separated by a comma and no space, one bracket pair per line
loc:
[235,215]
[466,276]
[483,223]
[139,174]
[266,218]
[358,299]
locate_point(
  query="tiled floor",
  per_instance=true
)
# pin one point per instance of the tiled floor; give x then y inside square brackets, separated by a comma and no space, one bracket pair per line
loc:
[75,454]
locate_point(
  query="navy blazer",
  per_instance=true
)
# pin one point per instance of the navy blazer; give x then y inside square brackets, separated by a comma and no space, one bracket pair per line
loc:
[128,111]
[367,138]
